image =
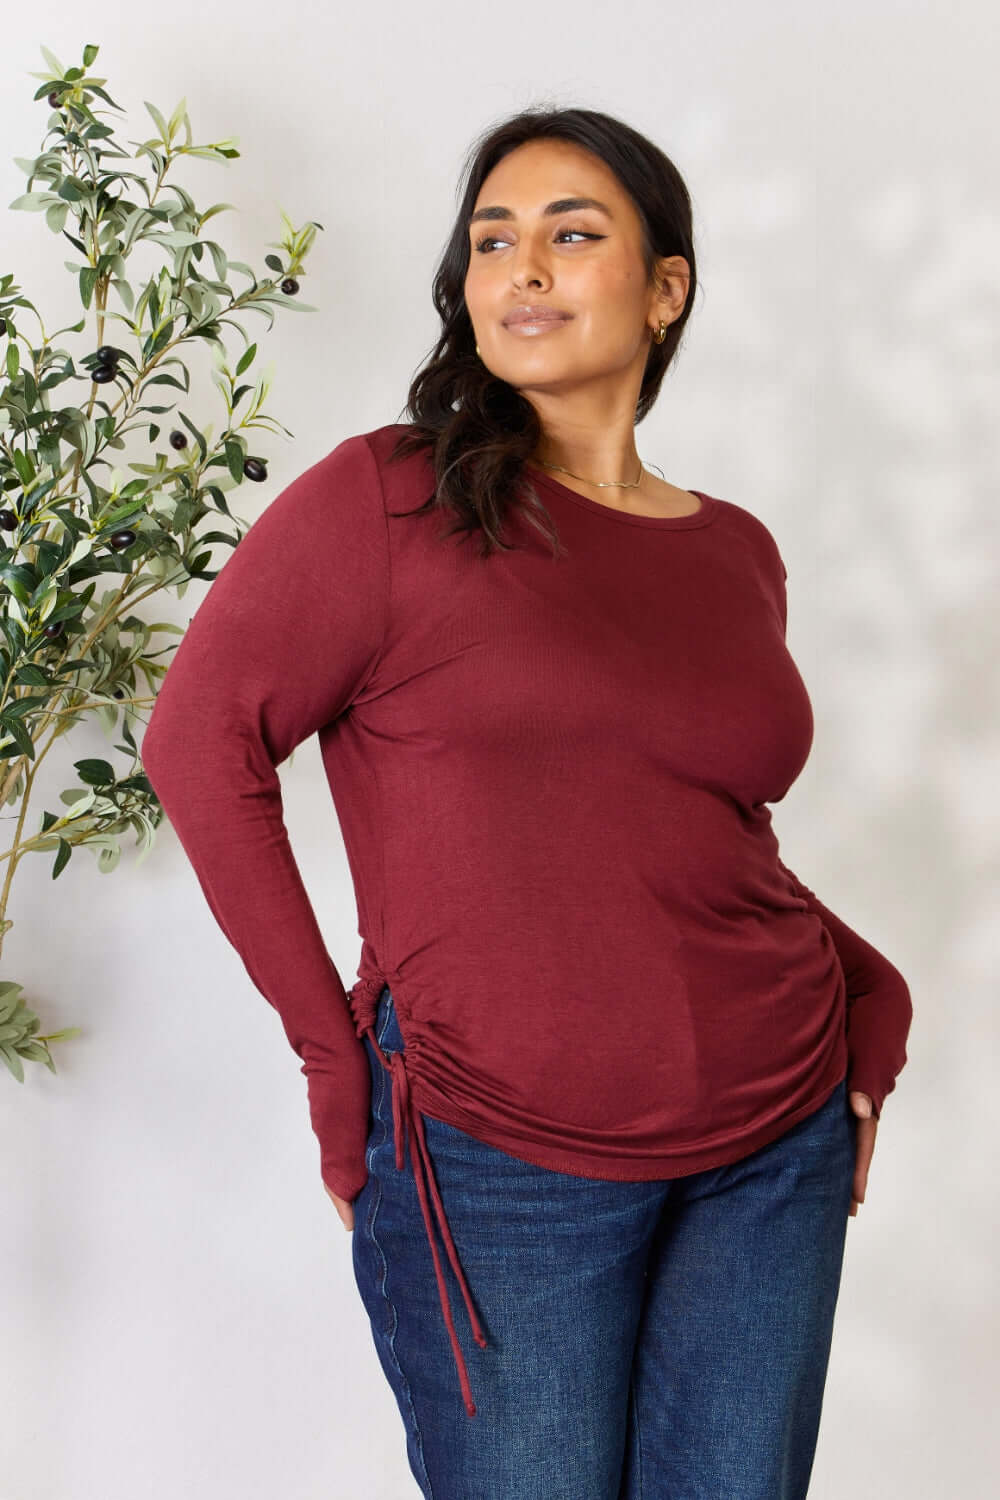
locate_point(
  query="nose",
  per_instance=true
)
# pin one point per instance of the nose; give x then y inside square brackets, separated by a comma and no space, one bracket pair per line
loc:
[526,266]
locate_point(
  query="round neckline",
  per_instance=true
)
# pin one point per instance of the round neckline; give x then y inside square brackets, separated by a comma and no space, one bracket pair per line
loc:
[700,517]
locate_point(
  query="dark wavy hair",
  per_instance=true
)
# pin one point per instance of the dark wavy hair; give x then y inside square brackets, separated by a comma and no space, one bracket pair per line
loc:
[479,429]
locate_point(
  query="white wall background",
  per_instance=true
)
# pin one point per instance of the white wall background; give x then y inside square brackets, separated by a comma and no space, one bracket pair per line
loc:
[177,1304]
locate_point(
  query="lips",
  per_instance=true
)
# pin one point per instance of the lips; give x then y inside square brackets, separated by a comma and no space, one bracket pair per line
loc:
[535,315]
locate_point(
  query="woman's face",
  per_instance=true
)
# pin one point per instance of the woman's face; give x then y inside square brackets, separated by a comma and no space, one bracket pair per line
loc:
[585,262]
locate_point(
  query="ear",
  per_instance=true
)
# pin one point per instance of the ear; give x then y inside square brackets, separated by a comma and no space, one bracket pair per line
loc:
[672,276]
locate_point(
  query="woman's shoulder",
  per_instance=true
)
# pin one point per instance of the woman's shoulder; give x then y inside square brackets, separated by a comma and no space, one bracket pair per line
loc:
[401,471]
[739,520]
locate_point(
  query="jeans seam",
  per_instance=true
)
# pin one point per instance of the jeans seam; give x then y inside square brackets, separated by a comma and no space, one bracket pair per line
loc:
[391,1331]
[638,1435]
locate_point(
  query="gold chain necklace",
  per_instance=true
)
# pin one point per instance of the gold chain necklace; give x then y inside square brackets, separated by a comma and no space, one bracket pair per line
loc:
[604,484]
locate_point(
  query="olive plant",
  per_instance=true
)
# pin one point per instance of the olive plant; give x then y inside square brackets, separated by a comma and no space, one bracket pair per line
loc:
[81,543]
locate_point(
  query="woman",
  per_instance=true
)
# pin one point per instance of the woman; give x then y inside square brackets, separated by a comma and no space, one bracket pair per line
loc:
[634,1064]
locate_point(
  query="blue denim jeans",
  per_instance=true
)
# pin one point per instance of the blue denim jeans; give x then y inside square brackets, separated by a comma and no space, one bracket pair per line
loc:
[661,1340]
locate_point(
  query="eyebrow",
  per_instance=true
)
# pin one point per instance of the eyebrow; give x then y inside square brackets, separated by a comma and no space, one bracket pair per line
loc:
[557,206]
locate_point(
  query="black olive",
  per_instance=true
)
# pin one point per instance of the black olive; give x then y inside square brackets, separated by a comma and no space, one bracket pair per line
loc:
[53,630]
[101,374]
[108,354]
[122,539]
[289,286]
[8,519]
[254,469]
[177,439]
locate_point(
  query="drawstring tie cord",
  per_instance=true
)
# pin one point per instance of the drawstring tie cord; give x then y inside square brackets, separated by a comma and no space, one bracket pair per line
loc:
[407,1124]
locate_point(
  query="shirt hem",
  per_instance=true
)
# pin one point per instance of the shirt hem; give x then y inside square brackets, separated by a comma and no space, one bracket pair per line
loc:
[644,1169]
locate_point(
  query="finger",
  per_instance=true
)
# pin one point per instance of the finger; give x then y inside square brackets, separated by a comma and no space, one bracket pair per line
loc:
[345,1211]
[862,1158]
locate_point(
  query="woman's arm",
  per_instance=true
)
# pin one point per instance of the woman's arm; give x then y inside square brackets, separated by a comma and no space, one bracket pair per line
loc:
[879,1009]
[287,634]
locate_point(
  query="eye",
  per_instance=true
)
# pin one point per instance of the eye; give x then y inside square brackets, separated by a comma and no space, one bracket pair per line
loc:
[488,239]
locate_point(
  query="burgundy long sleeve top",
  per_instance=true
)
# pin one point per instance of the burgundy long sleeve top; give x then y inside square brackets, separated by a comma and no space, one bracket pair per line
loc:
[552,777]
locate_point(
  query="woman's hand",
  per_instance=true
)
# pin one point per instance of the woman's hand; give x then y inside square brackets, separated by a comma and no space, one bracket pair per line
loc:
[867,1127]
[345,1209]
